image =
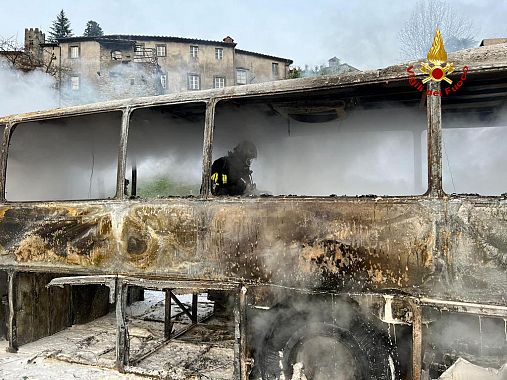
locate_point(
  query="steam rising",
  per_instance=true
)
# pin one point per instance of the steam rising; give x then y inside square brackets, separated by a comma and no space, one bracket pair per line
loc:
[166,145]
[367,152]
[60,159]
[25,92]
[474,154]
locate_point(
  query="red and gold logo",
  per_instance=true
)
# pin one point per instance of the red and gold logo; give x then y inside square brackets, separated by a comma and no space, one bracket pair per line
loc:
[437,56]
[436,70]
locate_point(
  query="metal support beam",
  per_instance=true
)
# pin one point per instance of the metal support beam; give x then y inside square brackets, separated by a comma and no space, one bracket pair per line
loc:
[168,325]
[416,341]
[11,323]
[434,113]
[240,349]
[195,298]
[465,307]
[106,280]
[242,335]
[122,156]
[209,126]
[157,284]
[3,159]
[122,336]
[182,307]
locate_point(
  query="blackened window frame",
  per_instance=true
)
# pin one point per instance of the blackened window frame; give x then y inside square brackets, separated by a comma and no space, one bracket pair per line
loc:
[10,129]
[207,129]
[432,161]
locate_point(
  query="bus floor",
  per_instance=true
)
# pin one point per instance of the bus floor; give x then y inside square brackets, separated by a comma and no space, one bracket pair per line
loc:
[87,351]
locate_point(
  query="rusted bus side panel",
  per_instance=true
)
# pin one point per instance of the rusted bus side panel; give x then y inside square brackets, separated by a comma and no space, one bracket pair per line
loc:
[474,249]
[434,247]
[57,235]
[106,237]
[338,245]
[163,238]
[349,245]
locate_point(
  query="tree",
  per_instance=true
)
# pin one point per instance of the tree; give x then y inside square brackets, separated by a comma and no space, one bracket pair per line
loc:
[93,29]
[295,72]
[60,28]
[417,34]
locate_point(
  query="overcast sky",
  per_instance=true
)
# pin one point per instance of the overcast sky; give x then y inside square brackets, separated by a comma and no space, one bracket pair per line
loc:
[362,33]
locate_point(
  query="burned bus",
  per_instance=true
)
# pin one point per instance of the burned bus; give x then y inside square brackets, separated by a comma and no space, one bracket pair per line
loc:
[375,249]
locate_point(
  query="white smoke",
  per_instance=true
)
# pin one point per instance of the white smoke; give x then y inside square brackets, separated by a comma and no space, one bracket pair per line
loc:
[379,151]
[474,154]
[25,92]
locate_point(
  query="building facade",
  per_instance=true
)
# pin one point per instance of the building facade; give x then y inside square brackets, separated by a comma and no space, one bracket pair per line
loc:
[123,66]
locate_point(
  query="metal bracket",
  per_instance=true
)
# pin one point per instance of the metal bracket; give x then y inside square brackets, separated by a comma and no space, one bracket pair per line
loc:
[106,280]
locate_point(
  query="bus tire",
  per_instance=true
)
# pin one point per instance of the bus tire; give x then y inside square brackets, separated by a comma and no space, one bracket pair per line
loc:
[321,348]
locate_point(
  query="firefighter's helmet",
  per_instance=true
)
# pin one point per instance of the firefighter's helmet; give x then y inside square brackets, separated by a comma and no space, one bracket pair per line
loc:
[247,149]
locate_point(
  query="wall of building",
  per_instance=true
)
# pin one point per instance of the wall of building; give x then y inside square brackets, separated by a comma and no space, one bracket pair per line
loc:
[126,75]
[86,67]
[88,63]
[104,77]
[178,64]
[260,68]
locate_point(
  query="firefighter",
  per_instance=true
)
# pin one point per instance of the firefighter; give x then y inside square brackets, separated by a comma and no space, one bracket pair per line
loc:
[231,174]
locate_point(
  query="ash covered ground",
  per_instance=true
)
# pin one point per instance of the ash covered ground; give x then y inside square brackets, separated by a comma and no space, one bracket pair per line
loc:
[87,351]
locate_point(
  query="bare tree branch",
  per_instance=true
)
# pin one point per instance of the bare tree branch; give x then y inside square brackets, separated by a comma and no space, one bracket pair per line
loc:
[417,34]
[25,60]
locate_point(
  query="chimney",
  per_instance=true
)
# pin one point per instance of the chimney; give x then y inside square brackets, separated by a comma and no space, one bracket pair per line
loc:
[228,40]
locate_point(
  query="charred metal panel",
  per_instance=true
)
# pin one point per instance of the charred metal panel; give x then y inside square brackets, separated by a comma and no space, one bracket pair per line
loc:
[423,246]
[474,245]
[56,234]
[161,238]
[335,245]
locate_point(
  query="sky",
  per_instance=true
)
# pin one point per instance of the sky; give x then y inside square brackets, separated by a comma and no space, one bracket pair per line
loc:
[362,33]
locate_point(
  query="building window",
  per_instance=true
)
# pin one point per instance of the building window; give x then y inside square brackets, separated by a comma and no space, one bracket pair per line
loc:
[193,51]
[163,81]
[74,52]
[193,82]
[132,81]
[74,83]
[139,50]
[116,55]
[219,82]
[161,51]
[219,53]
[240,76]
[274,69]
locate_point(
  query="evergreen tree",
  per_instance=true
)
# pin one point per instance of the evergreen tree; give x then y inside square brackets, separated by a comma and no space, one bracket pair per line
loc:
[93,29]
[60,28]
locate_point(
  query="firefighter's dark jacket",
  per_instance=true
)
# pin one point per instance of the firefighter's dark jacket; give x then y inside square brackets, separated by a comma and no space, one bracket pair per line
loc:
[230,176]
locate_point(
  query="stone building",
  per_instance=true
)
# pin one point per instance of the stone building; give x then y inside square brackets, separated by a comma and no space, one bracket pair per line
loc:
[29,56]
[122,66]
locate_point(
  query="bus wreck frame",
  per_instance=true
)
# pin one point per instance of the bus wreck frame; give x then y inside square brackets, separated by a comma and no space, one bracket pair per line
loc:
[422,284]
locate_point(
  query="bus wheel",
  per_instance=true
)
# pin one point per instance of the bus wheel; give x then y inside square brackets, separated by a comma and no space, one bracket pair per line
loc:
[302,348]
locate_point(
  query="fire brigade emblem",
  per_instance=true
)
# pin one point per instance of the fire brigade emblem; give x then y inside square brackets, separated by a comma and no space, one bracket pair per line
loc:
[437,56]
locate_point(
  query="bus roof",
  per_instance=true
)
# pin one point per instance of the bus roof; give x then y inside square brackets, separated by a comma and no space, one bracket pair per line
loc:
[489,60]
